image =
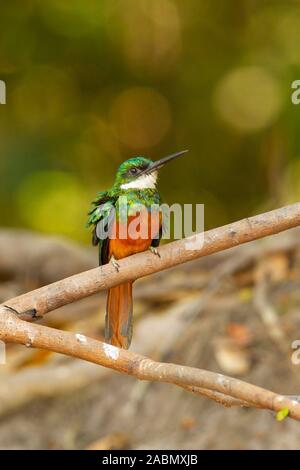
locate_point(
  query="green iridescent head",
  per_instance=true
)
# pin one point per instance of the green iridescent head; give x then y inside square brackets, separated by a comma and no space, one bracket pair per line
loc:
[129,172]
[140,172]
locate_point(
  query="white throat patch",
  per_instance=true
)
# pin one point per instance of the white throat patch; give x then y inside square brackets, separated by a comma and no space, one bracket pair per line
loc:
[143,182]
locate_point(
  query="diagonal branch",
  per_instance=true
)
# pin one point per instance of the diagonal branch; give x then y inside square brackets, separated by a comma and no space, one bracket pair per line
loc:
[218,387]
[82,285]
[225,390]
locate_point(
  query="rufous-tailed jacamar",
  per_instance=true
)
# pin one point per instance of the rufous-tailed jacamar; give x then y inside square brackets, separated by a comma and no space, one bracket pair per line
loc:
[136,180]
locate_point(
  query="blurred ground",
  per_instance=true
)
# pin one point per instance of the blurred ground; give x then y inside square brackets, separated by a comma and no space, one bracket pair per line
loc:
[235,312]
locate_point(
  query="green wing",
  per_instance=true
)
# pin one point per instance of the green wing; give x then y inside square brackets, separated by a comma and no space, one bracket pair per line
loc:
[100,217]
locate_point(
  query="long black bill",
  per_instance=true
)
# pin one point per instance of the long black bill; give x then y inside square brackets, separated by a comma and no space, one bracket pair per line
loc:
[159,163]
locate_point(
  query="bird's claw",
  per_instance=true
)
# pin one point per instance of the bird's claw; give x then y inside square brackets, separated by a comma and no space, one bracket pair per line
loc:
[32,313]
[115,264]
[154,251]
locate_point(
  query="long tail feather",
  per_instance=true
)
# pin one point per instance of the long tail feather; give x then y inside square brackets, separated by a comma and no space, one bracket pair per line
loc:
[118,320]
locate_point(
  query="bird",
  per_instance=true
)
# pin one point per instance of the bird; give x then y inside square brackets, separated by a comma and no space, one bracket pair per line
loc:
[112,222]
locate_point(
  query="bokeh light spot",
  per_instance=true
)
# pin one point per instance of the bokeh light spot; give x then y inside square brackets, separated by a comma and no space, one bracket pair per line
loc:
[75,18]
[151,35]
[54,202]
[141,117]
[248,99]
[287,32]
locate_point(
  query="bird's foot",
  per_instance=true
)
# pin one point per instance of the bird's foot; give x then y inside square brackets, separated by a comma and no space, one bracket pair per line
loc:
[115,263]
[32,313]
[154,251]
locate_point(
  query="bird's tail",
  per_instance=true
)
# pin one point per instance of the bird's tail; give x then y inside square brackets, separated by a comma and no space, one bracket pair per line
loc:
[118,320]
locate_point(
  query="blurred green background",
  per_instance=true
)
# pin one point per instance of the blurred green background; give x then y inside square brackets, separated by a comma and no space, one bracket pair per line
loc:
[90,83]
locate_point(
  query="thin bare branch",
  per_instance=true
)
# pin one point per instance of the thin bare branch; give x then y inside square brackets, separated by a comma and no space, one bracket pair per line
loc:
[221,398]
[223,389]
[227,390]
[87,283]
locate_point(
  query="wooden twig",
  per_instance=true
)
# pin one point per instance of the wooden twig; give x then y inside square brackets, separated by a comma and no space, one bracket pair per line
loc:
[226,390]
[221,398]
[218,387]
[87,283]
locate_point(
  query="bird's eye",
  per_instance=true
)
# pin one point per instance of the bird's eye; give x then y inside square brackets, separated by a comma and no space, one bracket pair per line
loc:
[133,171]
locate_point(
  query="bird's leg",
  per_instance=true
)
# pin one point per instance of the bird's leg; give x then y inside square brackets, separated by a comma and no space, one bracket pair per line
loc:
[115,264]
[154,251]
